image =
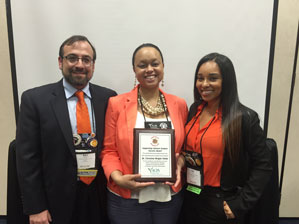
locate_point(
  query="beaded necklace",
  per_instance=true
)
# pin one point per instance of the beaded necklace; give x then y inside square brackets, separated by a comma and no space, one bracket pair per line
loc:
[160,108]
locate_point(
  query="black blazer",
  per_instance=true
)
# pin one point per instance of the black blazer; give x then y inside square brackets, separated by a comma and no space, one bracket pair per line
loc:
[46,161]
[253,169]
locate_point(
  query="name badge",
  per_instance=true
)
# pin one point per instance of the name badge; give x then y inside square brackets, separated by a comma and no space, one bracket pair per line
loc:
[86,160]
[194,163]
[157,124]
[85,149]
[194,177]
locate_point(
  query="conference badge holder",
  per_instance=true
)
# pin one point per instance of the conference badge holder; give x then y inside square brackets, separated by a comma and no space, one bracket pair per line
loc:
[194,164]
[85,148]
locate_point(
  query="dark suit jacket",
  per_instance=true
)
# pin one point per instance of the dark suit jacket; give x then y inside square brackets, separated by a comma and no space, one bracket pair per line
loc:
[249,176]
[46,161]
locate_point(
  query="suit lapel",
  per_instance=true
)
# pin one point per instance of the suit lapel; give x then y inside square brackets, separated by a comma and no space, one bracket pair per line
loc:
[59,105]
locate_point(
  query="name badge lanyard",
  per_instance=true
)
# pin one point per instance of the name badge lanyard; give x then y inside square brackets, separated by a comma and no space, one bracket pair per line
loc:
[92,136]
[194,159]
[92,142]
[168,123]
[93,118]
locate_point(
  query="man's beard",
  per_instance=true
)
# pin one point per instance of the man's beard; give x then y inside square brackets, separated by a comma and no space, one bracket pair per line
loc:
[76,81]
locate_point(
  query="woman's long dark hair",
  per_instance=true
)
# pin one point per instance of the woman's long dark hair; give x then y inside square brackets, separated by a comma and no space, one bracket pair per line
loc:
[229,101]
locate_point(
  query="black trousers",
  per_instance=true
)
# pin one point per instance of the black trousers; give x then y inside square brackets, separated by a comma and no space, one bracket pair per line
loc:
[205,208]
[89,207]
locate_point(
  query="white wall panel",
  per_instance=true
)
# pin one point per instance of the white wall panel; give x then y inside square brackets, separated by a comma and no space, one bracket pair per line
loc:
[184,30]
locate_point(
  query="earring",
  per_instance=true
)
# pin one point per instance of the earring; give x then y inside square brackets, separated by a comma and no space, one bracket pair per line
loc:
[162,83]
[135,82]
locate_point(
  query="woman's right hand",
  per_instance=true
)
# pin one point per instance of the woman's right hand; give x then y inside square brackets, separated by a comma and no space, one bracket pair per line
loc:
[128,180]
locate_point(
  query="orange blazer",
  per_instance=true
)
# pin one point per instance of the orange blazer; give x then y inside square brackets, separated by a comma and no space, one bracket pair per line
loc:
[121,116]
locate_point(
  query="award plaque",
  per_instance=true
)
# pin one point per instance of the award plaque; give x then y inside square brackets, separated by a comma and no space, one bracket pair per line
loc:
[154,155]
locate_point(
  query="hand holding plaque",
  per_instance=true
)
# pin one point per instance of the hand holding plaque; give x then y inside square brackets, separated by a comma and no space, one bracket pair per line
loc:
[128,181]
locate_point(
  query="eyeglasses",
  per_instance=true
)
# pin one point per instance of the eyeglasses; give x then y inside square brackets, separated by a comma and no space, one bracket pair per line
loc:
[73,59]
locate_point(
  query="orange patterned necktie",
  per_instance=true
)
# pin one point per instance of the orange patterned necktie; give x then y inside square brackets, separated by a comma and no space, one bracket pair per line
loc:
[83,121]
[83,124]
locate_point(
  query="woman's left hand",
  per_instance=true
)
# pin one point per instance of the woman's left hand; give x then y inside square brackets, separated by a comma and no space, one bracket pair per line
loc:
[228,212]
[180,162]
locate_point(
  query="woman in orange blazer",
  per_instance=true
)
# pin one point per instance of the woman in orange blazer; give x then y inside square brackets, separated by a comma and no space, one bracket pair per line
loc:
[130,201]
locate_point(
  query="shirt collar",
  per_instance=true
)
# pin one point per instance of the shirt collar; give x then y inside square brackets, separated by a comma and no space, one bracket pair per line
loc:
[70,90]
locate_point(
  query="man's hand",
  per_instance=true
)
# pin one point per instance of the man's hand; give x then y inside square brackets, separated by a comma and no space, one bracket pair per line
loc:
[41,218]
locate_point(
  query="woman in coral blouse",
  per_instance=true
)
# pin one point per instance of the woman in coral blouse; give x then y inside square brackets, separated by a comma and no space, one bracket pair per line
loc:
[130,201]
[228,163]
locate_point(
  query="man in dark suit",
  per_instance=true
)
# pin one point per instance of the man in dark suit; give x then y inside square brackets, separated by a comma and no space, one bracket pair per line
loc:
[60,176]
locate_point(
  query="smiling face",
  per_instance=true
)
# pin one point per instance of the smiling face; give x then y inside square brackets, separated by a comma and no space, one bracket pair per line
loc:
[209,82]
[148,67]
[77,73]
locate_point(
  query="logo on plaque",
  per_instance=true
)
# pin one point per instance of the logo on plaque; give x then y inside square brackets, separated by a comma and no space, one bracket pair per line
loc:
[155,141]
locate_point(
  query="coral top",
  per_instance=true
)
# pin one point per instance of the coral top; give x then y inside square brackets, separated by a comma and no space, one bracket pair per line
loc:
[212,145]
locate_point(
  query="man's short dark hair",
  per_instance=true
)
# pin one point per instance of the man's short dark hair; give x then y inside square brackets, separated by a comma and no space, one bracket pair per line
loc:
[74,39]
